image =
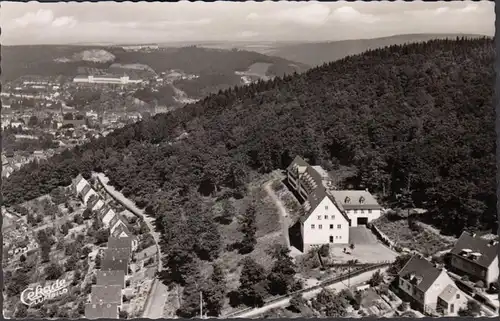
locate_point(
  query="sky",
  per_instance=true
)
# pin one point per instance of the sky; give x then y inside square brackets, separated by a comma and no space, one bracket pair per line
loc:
[127,22]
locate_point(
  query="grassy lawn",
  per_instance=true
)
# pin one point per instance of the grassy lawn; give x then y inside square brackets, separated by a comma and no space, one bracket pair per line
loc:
[422,240]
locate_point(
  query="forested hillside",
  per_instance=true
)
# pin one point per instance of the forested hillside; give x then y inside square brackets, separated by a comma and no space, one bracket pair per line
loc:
[41,60]
[420,113]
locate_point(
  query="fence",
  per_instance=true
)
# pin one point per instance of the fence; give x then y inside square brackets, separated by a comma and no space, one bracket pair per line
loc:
[316,287]
[385,239]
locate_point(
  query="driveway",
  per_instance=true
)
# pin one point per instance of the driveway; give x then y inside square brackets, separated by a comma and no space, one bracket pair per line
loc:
[284,217]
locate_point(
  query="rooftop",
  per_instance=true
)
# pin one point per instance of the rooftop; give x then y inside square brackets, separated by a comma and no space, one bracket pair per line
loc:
[110,278]
[99,311]
[487,249]
[355,199]
[106,294]
[420,272]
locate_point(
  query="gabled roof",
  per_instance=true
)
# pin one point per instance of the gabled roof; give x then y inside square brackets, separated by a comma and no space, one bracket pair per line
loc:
[118,218]
[357,199]
[117,232]
[297,161]
[104,210]
[312,179]
[110,278]
[315,198]
[114,265]
[487,250]
[106,294]
[85,190]
[116,254]
[78,179]
[418,267]
[119,242]
[448,293]
[103,310]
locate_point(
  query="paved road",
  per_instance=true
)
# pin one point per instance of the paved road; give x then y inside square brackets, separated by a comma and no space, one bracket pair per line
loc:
[156,302]
[309,294]
[158,295]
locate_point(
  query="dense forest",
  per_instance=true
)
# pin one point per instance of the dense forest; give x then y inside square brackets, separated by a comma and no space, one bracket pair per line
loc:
[416,120]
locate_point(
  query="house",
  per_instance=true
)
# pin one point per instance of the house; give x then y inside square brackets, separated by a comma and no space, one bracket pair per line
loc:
[101,310]
[476,257]
[106,294]
[324,220]
[116,222]
[106,215]
[424,284]
[97,204]
[450,299]
[360,206]
[87,193]
[116,260]
[123,242]
[79,183]
[111,278]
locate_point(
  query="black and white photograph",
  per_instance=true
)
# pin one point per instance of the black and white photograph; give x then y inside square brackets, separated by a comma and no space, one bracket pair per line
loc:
[248,160]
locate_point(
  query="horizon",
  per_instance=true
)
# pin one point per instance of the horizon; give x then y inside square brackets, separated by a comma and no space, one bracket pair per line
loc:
[194,42]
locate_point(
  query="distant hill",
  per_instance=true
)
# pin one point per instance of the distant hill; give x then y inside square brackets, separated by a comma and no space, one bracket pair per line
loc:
[317,53]
[53,60]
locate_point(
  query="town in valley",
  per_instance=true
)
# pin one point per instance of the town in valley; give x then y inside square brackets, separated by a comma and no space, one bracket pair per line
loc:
[162,161]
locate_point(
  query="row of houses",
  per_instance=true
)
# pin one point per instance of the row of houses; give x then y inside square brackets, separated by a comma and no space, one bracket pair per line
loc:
[430,287]
[328,213]
[106,295]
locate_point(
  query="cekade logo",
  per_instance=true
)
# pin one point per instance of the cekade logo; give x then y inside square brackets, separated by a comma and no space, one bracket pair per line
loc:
[39,294]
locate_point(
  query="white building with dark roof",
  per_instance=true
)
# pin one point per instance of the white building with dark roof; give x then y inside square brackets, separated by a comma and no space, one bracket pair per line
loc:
[360,206]
[324,220]
[430,288]
[476,257]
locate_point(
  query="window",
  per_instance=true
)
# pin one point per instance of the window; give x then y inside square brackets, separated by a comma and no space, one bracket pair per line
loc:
[361,200]
[339,226]
[362,212]
[333,217]
[331,226]
[326,217]
[326,207]
[319,217]
[336,236]
[340,237]
[355,211]
[331,239]
[347,200]
[452,308]
[458,296]
[312,226]
[369,211]
[320,226]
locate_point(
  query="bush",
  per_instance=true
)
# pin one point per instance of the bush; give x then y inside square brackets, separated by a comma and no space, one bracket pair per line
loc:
[324,250]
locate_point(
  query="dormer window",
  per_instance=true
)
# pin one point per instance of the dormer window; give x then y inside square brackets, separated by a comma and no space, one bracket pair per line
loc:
[347,200]
[361,200]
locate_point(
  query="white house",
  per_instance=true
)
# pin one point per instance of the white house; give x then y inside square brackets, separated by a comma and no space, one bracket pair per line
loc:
[476,257]
[98,205]
[116,222]
[107,214]
[430,288]
[324,220]
[360,206]
[79,183]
